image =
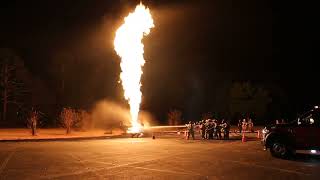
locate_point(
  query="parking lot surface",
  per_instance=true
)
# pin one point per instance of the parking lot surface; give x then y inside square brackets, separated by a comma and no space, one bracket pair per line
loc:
[145,158]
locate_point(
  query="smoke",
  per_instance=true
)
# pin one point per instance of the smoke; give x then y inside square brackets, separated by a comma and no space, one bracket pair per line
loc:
[109,114]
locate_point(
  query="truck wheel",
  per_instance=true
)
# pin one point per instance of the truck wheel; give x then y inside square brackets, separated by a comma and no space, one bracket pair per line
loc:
[279,149]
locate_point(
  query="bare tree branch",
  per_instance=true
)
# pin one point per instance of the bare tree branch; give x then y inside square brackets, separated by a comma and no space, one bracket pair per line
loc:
[11,89]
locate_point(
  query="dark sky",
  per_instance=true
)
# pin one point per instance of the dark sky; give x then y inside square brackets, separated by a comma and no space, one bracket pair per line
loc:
[196,48]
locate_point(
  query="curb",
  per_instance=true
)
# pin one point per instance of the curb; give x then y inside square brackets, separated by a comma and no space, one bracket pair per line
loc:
[62,139]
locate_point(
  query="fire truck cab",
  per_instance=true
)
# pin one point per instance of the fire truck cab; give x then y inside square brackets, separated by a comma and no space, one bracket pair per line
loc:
[302,134]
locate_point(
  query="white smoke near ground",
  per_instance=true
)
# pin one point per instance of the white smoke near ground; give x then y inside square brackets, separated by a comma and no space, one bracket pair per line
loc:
[108,114]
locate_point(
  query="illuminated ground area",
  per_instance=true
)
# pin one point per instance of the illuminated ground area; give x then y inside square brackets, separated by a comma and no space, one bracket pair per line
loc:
[144,158]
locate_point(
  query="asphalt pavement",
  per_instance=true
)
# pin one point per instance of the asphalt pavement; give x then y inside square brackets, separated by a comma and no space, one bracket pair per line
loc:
[145,158]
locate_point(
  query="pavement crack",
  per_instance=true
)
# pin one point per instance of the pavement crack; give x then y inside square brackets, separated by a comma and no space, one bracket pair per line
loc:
[266,167]
[84,165]
[5,162]
[95,170]
[167,171]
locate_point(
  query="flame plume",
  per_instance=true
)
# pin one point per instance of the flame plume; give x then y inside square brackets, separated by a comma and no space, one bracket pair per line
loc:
[128,45]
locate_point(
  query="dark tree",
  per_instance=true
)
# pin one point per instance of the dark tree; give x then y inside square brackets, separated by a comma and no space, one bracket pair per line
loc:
[207,115]
[249,99]
[33,121]
[12,89]
[174,117]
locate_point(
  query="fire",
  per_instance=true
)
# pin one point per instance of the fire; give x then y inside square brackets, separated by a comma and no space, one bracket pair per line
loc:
[128,45]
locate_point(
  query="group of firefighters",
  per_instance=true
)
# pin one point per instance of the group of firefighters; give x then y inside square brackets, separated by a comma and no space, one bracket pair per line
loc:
[209,129]
[244,125]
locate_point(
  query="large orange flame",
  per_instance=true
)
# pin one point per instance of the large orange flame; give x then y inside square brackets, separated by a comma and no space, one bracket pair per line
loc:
[128,45]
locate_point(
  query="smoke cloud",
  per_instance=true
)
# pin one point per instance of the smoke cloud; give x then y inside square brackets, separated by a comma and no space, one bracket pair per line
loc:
[109,114]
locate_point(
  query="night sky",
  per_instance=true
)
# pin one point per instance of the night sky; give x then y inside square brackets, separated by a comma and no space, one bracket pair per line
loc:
[197,48]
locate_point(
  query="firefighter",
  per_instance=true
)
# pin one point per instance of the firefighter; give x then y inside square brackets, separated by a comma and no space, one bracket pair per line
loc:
[203,129]
[217,129]
[225,128]
[210,129]
[207,125]
[190,128]
[250,125]
[244,125]
[215,132]
[240,126]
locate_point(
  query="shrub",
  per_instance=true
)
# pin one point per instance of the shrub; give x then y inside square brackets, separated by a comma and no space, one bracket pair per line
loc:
[33,121]
[68,118]
[82,120]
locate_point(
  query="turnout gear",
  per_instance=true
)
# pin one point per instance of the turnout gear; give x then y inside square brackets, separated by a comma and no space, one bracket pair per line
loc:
[217,130]
[190,128]
[240,126]
[202,130]
[210,129]
[225,129]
